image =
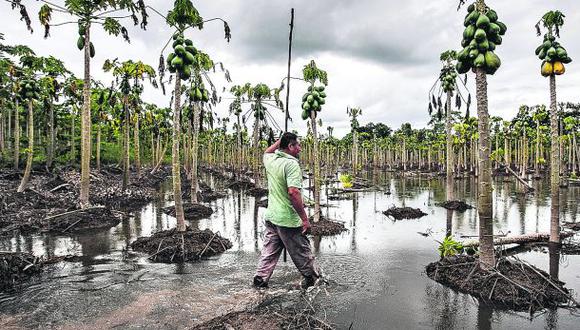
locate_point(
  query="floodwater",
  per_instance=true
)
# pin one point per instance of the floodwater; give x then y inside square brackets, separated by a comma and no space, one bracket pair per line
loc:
[375,270]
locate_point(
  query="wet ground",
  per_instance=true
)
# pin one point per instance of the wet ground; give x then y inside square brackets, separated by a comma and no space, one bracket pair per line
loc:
[376,268]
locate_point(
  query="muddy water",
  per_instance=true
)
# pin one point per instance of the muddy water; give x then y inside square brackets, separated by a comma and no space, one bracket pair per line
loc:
[376,269]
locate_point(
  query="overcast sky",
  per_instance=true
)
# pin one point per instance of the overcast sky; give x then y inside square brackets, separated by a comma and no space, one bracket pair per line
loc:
[380,55]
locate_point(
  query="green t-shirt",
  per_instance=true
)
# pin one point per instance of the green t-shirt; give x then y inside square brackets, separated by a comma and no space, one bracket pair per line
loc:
[283,171]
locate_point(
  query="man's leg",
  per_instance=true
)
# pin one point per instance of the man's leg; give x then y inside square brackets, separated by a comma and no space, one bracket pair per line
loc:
[270,253]
[298,247]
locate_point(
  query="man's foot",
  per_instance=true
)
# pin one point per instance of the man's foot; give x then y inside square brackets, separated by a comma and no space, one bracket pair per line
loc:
[259,282]
[308,282]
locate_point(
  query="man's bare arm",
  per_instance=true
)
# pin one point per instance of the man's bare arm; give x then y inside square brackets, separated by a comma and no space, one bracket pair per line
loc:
[296,200]
[271,149]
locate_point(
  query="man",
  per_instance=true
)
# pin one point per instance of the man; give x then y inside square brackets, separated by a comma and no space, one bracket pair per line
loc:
[286,220]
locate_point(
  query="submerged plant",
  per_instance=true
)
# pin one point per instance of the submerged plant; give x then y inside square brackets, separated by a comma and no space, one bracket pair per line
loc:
[449,247]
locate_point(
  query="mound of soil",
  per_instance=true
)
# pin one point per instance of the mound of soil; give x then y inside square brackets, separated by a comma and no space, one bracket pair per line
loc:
[16,267]
[173,246]
[191,211]
[459,206]
[400,213]
[240,185]
[258,192]
[512,284]
[82,220]
[326,227]
[264,319]
[210,196]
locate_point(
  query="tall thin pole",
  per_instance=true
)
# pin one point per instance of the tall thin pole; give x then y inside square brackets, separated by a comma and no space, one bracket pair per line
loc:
[288,76]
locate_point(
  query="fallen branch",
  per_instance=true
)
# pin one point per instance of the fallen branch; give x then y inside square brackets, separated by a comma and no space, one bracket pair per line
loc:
[59,187]
[522,181]
[72,212]
[521,239]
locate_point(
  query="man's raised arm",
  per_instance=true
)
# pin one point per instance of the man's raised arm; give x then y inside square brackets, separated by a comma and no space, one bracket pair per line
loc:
[271,149]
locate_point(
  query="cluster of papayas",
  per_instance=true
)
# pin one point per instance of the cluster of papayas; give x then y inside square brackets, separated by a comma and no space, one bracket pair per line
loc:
[259,111]
[482,34]
[125,86]
[81,40]
[199,93]
[447,78]
[313,101]
[29,90]
[553,57]
[182,57]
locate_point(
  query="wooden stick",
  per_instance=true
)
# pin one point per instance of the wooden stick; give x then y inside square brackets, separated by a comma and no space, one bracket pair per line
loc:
[521,239]
[58,187]
[72,212]
[207,245]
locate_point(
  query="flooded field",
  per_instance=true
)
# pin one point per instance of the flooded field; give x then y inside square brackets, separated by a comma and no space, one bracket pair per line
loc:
[376,269]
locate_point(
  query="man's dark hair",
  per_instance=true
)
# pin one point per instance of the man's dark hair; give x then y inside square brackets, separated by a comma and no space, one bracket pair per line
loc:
[288,139]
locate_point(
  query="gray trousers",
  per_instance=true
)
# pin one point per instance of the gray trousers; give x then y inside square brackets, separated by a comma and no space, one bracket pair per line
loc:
[297,245]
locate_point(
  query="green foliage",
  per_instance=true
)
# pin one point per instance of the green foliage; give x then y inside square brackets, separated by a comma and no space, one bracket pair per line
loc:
[184,15]
[312,74]
[346,180]
[449,247]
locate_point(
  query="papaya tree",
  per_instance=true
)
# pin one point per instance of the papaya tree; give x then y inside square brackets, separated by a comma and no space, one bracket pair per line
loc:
[130,72]
[539,116]
[313,100]
[29,93]
[353,113]
[238,92]
[181,17]
[483,33]
[553,57]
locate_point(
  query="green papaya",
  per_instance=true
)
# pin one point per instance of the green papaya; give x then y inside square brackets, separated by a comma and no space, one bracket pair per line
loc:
[322,94]
[469,32]
[492,60]
[314,105]
[198,93]
[81,43]
[491,46]
[177,62]
[170,58]
[473,44]
[205,96]
[316,95]
[465,43]
[179,50]
[188,42]
[82,30]
[463,54]
[473,54]
[306,106]
[471,8]
[490,71]
[321,102]
[542,54]
[494,28]
[171,69]
[539,49]
[188,58]
[566,60]
[176,43]
[310,99]
[551,52]
[492,15]
[320,89]
[176,35]
[191,49]
[483,46]
[496,39]
[185,72]
[547,45]
[305,115]
[561,53]
[480,35]
[479,61]
[473,17]
[482,22]
[305,97]
[310,88]
[91,50]
[552,38]
[502,27]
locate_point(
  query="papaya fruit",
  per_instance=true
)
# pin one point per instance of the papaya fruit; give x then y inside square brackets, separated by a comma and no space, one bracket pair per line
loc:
[82,30]
[559,68]
[479,61]
[320,89]
[304,97]
[463,54]
[542,54]
[561,53]
[494,28]
[502,28]
[551,52]
[322,94]
[465,43]
[480,35]
[188,58]
[314,105]
[176,43]
[546,45]
[177,62]
[471,8]
[483,22]
[91,50]
[188,42]
[469,32]
[490,71]
[547,69]
[321,102]
[483,46]
[310,88]
[306,106]
[491,46]
[198,93]
[496,39]
[539,49]
[81,43]
[492,15]
[170,58]
[305,115]
[316,95]
[176,35]
[310,99]
[566,60]
[179,50]
[472,44]
[549,59]
[191,49]
[205,96]
[492,60]
[473,54]
[473,17]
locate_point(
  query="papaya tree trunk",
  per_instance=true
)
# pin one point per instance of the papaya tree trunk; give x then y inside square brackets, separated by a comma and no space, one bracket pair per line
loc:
[29,151]
[175,165]
[194,154]
[51,137]
[136,145]
[98,148]
[73,155]
[449,151]
[256,143]
[554,166]
[354,153]
[316,167]
[16,136]
[86,126]
[485,201]
[126,134]
[2,129]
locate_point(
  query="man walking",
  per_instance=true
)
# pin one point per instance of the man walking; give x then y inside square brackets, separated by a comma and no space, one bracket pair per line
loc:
[286,220]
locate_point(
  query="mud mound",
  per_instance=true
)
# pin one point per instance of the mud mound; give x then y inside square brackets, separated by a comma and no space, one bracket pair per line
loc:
[400,213]
[82,220]
[258,192]
[16,267]
[459,206]
[210,196]
[512,284]
[191,211]
[240,184]
[326,227]
[173,246]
